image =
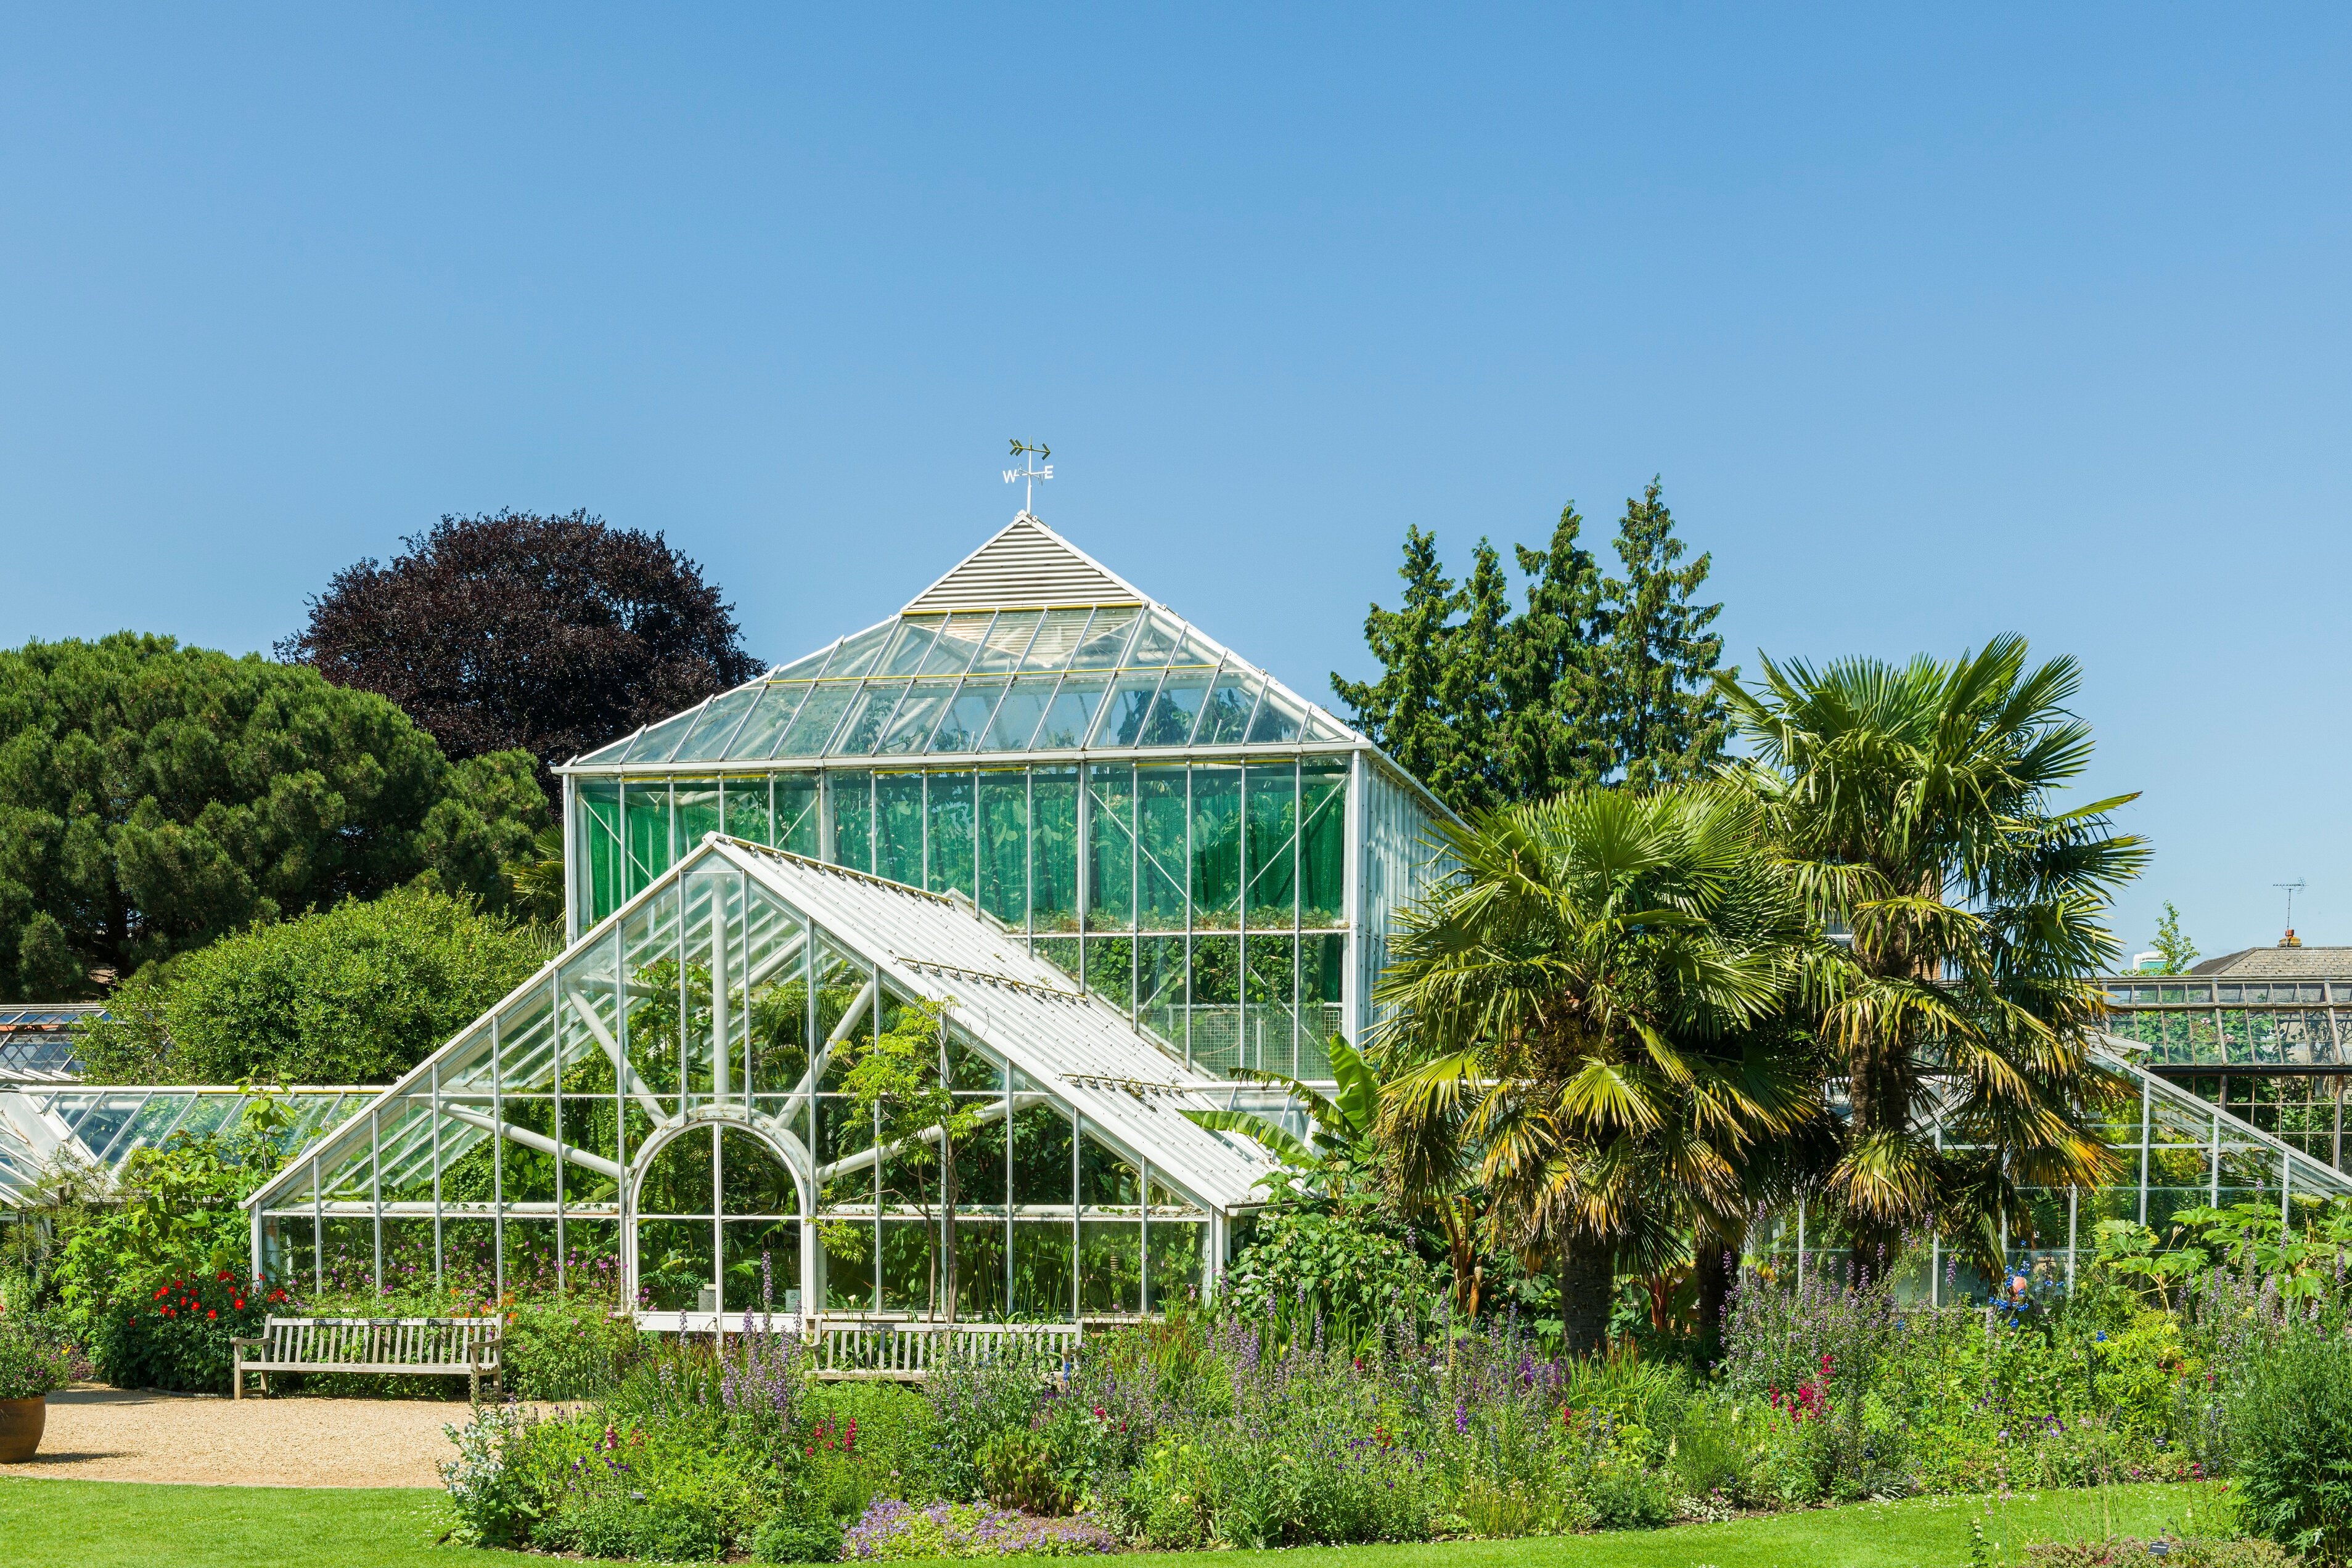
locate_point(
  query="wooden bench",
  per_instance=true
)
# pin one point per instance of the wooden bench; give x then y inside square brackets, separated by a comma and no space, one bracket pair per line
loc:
[424,1347]
[904,1351]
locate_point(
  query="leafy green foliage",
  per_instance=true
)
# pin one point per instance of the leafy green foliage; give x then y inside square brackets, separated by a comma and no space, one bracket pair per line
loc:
[31,1366]
[1597,679]
[358,994]
[2290,1434]
[2172,943]
[153,798]
[1916,807]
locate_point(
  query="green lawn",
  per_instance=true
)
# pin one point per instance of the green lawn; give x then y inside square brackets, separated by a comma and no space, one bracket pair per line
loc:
[124,1524]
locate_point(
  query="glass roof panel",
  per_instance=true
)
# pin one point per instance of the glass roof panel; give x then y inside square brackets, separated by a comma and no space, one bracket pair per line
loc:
[865,721]
[106,1117]
[802,669]
[924,701]
[656,744]
[719,722]
[958,641]
[1191,650]
[813,724]
[612,753]
[1155,642]
[1122,716]
[1177,708]
[1017,714]
[1318,728]
[1106,638]
[967,717]
[1007,641]
[777,706]
[1072,715]
[1060,635]
[210,1114]
[854,653]
[1277,720]
[1226,719]
[916,634]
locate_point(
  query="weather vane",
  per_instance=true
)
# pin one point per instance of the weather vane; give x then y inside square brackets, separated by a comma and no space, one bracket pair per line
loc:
[1031,472]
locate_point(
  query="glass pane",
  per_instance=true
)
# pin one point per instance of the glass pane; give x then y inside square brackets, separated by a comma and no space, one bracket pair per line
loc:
[718,725]
[958,641]
[598,803]
[1277,720]
[656,744]
[1110,970]
[1320,726]
[747,808]
[967,715]
[951,806]
[1270,1015]
[1216,847]
[856,654]
[696,803]
[1071,715]
[1017,714]
[1057,637]
[1160,989]
[1111,1267]
[1042,1171]
[806,667]
[912,645]
[1106,637]
[924,701]
[1122,715]
[645,805]
[863,729]
[796,818]
[814,724]
[678,1180]
[1154,643]
[1004,846]
[1176,709]
[1271,798]
[1322,843]
[853,821]
[1062,952]
[1041,1269]
[1007,641]
[910,1270]
[1322,961]
[1226,719]
[1053,850]
[1160,870]
[1216,1003]
[674,1263]
[1179,1250]
[1110,848]
[1106,1178]
[752,1181]
[898,826]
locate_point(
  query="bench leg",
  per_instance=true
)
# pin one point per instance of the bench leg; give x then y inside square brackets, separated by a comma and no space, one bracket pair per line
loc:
[236,1380]
[474,1387]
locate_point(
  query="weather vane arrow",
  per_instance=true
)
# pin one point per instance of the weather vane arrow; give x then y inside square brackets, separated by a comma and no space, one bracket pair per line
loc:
[1031,472]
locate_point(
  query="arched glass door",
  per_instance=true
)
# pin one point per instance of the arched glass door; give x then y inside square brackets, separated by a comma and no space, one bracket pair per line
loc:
[718,1226]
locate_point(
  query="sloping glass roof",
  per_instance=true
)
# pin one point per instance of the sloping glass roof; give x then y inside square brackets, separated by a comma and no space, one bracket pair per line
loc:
[1024,676]
[43,1125]
[36,1039]
[777,924]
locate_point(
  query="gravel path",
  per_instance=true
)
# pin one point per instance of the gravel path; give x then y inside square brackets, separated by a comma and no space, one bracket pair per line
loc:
[106,1435]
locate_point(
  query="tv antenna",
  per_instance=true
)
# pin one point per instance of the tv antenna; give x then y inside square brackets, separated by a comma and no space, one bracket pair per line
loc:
[2290,889]
[1030,472]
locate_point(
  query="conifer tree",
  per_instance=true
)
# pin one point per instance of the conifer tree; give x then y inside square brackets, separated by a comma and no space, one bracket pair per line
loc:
[1664,718]
[1551,675]
[1402,711]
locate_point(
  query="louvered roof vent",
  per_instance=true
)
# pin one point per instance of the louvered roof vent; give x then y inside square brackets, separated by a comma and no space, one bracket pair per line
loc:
[1029,566]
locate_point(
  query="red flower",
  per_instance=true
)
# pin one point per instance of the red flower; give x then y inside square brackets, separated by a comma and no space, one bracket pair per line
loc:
[240,1303]
[210,1313]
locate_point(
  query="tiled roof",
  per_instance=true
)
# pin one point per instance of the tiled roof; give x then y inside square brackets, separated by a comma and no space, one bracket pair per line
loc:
[2282,963]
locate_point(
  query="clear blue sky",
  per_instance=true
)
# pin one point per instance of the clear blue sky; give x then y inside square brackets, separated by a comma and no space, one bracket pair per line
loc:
[1934,330]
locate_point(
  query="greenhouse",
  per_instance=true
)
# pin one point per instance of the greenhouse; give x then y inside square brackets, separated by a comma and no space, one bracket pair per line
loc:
[57,1123]
[671,1091]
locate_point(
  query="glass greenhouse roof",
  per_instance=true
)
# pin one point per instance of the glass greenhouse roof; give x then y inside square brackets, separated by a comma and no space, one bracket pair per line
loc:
[36,1039]
[1017,678]
[44,1126]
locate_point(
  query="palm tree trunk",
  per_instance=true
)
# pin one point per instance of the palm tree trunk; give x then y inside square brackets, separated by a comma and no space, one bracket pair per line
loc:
[1587,1279]
[1715,1265]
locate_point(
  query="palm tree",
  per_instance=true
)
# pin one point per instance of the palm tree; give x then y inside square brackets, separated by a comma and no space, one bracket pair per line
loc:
[1581,1016]
[1915,808]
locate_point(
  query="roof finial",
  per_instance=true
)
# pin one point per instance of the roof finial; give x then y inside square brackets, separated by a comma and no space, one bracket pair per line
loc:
[2290,939]
[1031,472]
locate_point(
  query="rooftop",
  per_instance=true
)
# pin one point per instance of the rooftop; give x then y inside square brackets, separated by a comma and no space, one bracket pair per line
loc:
[2280,963]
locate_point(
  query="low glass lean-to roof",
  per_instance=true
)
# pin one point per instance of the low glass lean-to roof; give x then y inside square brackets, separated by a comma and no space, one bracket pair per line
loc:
[36,1039]
[44,1126]
[1030,673]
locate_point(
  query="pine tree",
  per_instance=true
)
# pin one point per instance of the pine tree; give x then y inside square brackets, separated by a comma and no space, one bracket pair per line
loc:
[1664,721]
[1551,676]
[1402,711]
[1471,700]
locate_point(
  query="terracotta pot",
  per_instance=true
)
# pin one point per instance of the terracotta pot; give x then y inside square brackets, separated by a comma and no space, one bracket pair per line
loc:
[21,1421]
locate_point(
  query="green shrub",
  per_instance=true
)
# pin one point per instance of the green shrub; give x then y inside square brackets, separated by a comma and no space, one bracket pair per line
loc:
[30,1367]
[2130,1552]
[2291,1438]
[797,1541]
[860,1441]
